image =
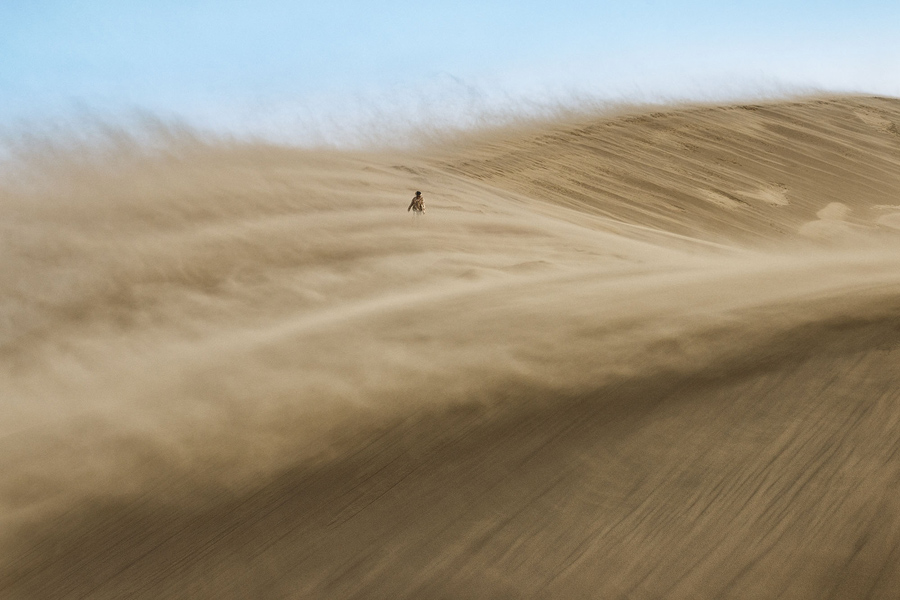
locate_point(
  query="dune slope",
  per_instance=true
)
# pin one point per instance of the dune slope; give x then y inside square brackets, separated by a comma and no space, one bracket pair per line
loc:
[645,356]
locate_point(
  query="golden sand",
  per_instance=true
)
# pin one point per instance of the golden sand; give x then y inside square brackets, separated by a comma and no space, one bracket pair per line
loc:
[652,355]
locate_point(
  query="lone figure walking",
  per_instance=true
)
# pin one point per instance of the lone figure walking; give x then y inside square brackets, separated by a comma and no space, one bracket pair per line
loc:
[417,204]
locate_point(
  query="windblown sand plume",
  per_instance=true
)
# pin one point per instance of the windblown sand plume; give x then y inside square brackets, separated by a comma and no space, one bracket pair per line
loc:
[653,355]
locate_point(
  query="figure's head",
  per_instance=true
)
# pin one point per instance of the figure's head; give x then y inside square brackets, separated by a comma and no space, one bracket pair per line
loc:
[418,193]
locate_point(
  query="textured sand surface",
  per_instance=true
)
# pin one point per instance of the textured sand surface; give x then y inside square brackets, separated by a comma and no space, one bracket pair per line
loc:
[652,355]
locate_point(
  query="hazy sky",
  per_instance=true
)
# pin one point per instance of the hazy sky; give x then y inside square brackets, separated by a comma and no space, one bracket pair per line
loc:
[274,65]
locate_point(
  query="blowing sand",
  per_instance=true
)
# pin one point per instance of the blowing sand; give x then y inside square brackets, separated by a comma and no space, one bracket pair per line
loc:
[655,355]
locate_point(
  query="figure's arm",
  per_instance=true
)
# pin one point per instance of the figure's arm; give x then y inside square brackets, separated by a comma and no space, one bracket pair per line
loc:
[411,204]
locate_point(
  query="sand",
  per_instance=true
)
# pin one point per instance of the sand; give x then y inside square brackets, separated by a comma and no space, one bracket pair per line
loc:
[646,355]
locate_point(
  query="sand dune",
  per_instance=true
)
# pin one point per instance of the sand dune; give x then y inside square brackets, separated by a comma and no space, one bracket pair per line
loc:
[651,355]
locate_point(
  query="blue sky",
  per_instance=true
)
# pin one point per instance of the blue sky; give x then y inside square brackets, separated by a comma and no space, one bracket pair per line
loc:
[275,66]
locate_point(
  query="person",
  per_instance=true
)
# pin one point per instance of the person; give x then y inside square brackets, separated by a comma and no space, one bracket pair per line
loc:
[417,204]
